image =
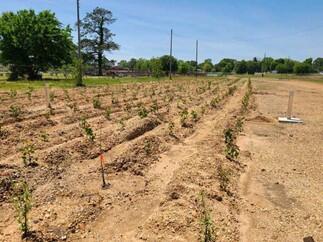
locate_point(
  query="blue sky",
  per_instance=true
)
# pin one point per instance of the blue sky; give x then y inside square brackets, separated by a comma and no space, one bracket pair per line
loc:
[225,28]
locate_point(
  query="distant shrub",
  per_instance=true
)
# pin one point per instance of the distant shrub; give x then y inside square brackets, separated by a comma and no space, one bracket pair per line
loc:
[302,68]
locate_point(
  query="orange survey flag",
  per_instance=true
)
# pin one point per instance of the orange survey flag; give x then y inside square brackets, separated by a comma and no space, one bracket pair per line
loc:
[102,159]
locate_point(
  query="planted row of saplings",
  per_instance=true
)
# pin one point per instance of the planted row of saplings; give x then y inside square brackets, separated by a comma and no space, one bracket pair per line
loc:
[52,95]
[141,108]
[16,111]
[88,131]
[142,112]
[231,133]
[137,163]
[208,230]
[22,198]
[13,95]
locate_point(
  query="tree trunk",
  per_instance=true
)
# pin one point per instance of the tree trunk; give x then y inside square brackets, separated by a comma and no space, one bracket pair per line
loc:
[33,74]
[100,57]
[14,73]
[100,54]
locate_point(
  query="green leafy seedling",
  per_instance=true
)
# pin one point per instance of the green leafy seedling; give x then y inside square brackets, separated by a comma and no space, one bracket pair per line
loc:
[15,111]
[22,204]
[87,130]
[28,155]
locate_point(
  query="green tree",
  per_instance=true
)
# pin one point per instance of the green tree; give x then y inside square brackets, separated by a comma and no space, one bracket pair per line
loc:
[241,67]
[309,61]
[165,60]
[228,68]
[31,43]
[183,67]
[96,36]
[226,65]
[253,66]
[302,68]
[290,65]
[318,64]
[123,64]
[142,65]
[282,68]
[267,64]
[156,67]
[280,61]
[207,65]
[132,64]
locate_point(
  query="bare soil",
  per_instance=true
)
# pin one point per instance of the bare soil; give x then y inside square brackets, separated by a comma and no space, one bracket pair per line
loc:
[282,189]
[163,145]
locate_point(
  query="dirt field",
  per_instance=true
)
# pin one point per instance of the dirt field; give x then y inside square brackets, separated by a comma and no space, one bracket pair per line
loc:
[164,149]
[282,189]
[162,143]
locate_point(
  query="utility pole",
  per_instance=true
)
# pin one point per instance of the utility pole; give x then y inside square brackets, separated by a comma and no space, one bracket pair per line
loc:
[196,57]
[170,54]
[79,81]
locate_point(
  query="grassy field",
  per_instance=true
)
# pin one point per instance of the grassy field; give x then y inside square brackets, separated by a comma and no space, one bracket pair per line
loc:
[69,83]
[97,81]
[312,78]
[88,81]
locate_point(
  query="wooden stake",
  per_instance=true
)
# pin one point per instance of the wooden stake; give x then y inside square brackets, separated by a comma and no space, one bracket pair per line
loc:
[104,184]
[290,104]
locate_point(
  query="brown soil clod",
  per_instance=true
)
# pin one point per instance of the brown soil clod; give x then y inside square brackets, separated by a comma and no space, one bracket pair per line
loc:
[57,156]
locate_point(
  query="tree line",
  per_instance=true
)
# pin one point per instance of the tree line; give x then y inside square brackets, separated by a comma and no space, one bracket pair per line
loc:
[160,66]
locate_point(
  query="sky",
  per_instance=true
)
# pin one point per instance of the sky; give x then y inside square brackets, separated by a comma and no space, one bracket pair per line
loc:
[240,29]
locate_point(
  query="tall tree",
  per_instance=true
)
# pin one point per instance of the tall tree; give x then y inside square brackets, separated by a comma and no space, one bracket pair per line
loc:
[132,64]
[318,64]
[303,68]
[241,67]
[31,43]
[96,36]
[165,60]
[226,65]
[207,65]
[156,67]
